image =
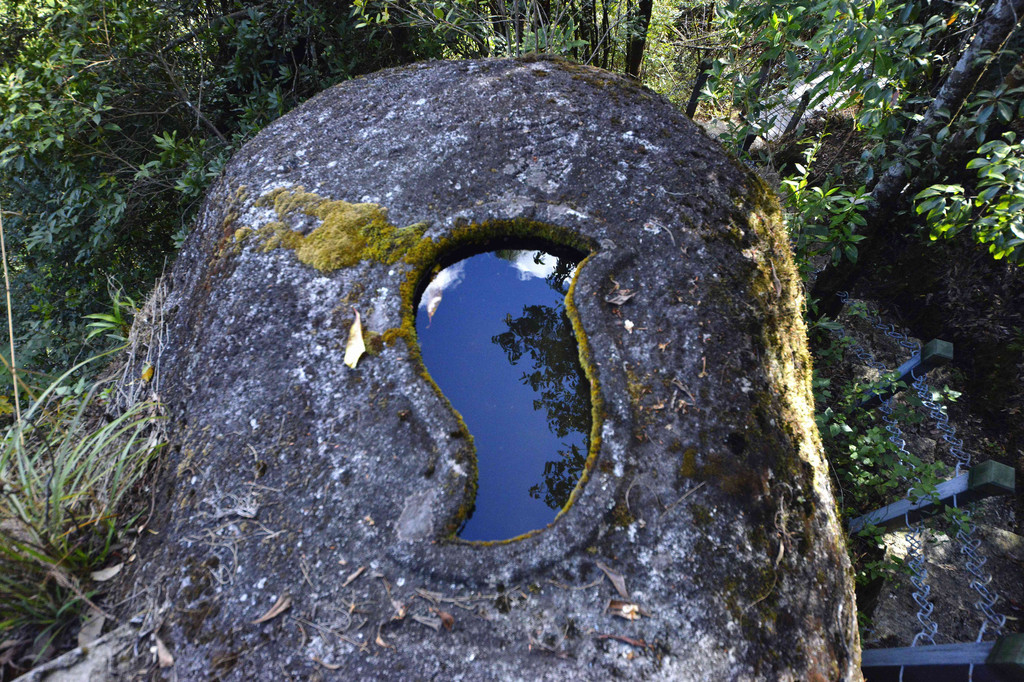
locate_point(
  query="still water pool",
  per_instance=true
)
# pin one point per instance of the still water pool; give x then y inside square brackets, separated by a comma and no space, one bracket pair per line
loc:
[494,336]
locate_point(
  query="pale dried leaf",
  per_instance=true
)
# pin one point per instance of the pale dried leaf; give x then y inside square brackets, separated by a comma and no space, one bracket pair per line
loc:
[107,573]
[355,347]
[163,656]
[8,656]
[355,574]
[380,641]
[618,295]
[329,666]
[616,579]
[282,604]
[434,623]
[91,629]
[17,530]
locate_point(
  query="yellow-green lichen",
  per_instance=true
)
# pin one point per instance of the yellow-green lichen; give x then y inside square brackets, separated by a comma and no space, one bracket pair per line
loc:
[347,234]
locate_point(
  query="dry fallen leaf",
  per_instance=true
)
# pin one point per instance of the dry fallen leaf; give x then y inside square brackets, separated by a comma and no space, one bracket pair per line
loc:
[282,604]
[624,609]
[107,573]
[355,347]
[329,666]
[434,623]
[11,651]
[618,295]
[352,576]
[163,656]
[91,629]
[380,640]
[617,580]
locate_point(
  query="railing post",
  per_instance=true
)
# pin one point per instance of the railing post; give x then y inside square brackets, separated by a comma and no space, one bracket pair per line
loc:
[934,354]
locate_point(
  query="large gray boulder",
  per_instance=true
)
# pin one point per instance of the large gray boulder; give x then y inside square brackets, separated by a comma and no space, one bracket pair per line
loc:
[333,493]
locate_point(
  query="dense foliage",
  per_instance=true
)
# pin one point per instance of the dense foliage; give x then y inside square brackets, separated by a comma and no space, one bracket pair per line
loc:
[116,114]
[899,68]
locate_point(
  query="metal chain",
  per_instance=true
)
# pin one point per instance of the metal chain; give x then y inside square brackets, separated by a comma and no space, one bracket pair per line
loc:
[968,544]
[938,414]
[915,536]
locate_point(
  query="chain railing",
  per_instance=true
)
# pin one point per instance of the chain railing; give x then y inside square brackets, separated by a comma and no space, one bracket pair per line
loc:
[962,529]
[965,529]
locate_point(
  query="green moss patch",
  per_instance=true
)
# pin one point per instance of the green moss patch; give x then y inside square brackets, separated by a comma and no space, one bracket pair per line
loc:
[347,234]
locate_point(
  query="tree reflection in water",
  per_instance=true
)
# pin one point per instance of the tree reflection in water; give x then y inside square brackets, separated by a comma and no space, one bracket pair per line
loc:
[544,335]
[494,336]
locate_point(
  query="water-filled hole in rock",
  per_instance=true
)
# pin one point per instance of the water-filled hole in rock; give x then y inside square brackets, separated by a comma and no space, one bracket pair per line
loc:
[495,337]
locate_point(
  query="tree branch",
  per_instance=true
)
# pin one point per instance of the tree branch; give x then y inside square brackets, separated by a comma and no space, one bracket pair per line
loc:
[889,193]
[184,98]
[208,25]
[996,28]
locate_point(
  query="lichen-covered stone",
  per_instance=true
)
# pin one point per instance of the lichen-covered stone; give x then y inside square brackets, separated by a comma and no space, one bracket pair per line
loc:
[292,474]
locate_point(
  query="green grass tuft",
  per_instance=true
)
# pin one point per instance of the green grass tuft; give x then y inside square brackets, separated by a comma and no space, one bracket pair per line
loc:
[66,470]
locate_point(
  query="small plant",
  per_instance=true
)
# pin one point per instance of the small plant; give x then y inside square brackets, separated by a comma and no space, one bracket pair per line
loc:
[869,469]
[118,322]
[65,469]
[821,219]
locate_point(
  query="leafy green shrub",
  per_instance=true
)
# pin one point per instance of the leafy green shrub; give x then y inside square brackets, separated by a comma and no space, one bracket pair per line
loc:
[869,470]
[115,115]
[821,219]
[883,62]
[994,210]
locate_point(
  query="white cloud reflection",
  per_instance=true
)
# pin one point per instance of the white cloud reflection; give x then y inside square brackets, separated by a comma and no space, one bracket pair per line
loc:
[532,264]
[450,277]
[528,265]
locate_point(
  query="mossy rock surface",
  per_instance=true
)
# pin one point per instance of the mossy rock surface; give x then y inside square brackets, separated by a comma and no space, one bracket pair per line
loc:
[707,490]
